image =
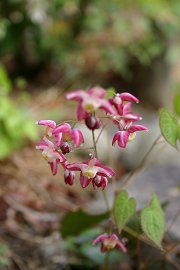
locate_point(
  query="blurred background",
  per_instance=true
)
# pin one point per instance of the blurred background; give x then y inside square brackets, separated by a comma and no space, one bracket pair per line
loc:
[48,47]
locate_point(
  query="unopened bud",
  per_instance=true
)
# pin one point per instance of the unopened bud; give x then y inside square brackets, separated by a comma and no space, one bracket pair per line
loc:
[65,148]
[93,122]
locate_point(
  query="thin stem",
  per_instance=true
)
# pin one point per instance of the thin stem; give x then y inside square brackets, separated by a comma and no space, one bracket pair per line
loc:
[106,200]
[141,165]
[96,155]
[94,144]
[106,261]
[103,127]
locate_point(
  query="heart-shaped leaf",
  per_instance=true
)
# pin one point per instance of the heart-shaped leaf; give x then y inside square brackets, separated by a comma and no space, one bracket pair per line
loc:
[169,127]
[177,104]
[124,208]
[152,221]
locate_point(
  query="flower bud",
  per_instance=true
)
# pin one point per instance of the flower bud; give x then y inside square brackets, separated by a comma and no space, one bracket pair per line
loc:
[93,122]
[69,177]
[65,148]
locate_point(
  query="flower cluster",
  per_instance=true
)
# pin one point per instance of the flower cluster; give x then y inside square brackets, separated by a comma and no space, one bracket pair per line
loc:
[118,108]
[59,140]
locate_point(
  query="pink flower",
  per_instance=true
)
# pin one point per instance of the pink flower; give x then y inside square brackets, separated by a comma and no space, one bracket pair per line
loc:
[126,114]
[90,101]
[89,170]
[127,132]
[50,154]
[123,108]
[109,242]
[65,133]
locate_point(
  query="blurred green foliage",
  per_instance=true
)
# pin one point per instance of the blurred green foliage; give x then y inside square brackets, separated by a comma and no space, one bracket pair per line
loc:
[89,36]
[4,260]
[16,124]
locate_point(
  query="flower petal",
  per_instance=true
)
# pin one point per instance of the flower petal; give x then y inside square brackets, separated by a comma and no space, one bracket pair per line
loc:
[81,113]
[134,128]
[98,92]
[107,107]
[62,128]
[77,95]
[53,166]
[100,238]
[128,97]
[84,181]
[77,137]
[48,123]
[78,166]
[121,137]
[121,246]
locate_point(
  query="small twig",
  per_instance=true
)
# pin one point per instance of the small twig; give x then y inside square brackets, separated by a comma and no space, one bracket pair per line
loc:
[140,166]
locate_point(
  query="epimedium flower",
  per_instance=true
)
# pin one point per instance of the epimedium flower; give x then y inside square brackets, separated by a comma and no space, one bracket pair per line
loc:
[122,104]
[62,133]
[109,242]
[126,114]
[90,101]
[127,132]
[51,154]
[65,133]
[89,170]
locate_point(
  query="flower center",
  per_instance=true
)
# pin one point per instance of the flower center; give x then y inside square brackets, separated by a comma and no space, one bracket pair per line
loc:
[109,243]
[89,107]
[89,172]
[66,137]
[47,154]
[132,137]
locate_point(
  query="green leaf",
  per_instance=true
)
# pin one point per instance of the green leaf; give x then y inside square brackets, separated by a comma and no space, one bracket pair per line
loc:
[124,208]
[74,223]
[177,104]
[169,126]
[5,83]
[111,92]
[152,221]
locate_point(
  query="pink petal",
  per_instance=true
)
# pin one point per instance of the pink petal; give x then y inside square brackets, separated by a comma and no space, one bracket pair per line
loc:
[134,128]
[62,128]
[104,170]
[84,181]
[107,107]
[81,113]
[53,166]
[78,166]
[126,108]
[121,137]
[99,92]
[128,97]
[77,95]
[132,117]
[48,123]
[77,137]
[48,143]
[60,157]
[121,246]
[58,139]
[100,238]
